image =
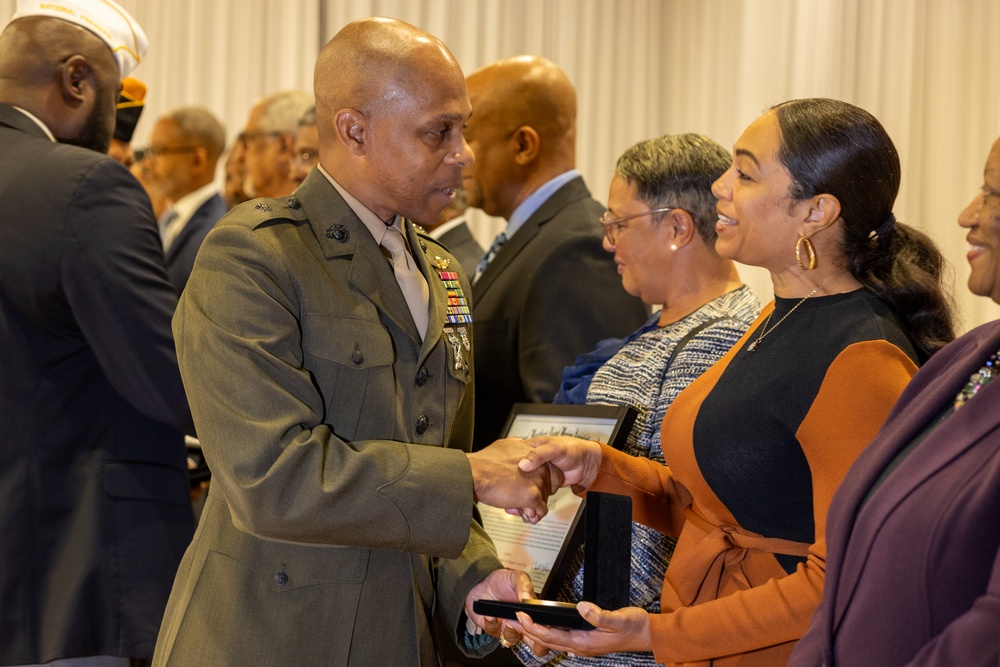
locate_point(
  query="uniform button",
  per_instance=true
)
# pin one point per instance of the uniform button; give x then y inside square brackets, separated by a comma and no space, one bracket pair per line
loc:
[357,357]
[422,423]
[281,578]
[422,376]
[294,203]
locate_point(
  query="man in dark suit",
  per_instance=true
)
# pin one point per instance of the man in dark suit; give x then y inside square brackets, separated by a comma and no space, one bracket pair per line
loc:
[452,230]
[95,513]
[332,391]
[185,148]
[550,291]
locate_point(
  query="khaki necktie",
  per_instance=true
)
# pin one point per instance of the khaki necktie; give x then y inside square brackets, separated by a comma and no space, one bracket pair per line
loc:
[411,281]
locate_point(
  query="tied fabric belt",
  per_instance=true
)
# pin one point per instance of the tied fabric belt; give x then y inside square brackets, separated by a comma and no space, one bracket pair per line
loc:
[725,549]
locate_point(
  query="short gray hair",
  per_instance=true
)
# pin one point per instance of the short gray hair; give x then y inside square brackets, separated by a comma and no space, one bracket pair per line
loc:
[677,170]
[281,112]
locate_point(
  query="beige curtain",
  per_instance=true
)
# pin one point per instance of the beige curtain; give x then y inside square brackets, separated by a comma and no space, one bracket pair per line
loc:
[928,69]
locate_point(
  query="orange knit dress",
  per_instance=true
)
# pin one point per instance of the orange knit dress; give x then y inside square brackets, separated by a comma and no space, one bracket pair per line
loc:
[755,449]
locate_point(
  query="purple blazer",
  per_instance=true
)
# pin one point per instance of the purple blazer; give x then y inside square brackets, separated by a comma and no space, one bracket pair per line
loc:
[913,571]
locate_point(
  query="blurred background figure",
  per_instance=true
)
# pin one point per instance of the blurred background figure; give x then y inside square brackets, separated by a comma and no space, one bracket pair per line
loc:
[453,231]
[660,226]
[269,143]
[185,149]
[236,173]
[142,169]
[131,101]
[306,153]
[546,290]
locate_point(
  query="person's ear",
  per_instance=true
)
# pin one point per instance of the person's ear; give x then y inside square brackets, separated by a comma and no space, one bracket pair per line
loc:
[352,127]
[824,210]
[75,74]
[199,158]
[680,228]
[526,145]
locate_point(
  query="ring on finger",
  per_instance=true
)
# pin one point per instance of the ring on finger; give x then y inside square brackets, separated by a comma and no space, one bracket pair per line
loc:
[506,643]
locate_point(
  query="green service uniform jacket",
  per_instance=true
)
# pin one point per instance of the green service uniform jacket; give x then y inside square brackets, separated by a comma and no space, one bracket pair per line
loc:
[341,517]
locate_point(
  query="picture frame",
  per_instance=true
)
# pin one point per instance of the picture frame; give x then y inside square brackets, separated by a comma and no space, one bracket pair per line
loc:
[546,550]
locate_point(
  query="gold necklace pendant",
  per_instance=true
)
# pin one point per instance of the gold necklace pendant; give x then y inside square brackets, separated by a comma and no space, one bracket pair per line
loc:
[764,331]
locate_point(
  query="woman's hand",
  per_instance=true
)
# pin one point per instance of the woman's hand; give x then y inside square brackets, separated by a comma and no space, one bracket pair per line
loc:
[621,630]
[578,459]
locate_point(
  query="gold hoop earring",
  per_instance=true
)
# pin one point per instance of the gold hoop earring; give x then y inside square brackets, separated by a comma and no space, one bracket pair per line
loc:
[810,253]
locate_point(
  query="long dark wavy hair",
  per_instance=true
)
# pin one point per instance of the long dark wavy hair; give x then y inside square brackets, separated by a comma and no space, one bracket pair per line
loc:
[833,147]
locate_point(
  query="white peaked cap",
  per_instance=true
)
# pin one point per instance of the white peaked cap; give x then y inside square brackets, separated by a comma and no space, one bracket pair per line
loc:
[104,18]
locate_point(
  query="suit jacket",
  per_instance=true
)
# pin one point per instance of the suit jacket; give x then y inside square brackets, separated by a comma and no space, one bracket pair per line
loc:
[463,245]
[181,254]
[913,567]
[551,293]
[95,512]
[340,516]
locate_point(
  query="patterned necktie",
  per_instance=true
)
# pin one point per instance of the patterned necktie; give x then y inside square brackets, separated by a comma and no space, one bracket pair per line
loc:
[411,281]
[490,254]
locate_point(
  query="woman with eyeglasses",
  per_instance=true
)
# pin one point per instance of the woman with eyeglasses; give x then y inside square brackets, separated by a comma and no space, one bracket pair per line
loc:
[660,225]
[757,445]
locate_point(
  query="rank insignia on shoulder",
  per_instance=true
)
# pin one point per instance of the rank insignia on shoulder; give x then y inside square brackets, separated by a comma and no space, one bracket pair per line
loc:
[261,206]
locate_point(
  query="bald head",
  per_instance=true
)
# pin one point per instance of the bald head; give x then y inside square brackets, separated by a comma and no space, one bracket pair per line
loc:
[523,129]
[63,74]
[390,106]
[527,90]
[374,64]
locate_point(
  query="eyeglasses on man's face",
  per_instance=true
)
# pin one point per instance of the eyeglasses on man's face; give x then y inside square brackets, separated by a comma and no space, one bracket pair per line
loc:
[249,136]
[159,151]
[612,226]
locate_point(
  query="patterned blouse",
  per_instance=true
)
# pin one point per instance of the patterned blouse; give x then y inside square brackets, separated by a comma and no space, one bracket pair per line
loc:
[638,375]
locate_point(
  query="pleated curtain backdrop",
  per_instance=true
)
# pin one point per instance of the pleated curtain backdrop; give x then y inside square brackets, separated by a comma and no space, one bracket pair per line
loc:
[928,69]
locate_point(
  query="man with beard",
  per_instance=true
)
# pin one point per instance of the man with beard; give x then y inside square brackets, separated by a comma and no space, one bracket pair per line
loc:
[95,513]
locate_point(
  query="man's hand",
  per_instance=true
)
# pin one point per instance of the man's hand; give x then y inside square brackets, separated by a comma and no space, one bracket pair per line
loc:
[507,585]
[499,482]
[577,460]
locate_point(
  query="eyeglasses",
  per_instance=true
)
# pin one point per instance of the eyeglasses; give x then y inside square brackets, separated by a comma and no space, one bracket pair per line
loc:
[613,225]
[253,135]
[167,150]
[306,158]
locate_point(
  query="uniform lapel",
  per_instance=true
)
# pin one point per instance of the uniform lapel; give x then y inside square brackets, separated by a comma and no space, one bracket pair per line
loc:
[342,234]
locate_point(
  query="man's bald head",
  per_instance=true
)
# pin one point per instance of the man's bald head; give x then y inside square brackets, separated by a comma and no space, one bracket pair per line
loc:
[375,62]
[63,74]
[523,129]
[390,106]
[527,90]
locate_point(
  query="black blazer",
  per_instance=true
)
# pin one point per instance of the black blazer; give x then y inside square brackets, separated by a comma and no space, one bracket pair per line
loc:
[181,254]
[95,512]
[463,245]
[550,294]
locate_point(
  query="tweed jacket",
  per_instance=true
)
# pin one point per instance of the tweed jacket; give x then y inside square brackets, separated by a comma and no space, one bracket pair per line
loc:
[340,517]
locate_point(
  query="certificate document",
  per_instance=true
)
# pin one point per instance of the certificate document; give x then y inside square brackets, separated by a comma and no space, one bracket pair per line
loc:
[545,550]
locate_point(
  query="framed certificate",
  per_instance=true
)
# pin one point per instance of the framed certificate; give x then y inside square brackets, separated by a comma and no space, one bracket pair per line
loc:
[545,550]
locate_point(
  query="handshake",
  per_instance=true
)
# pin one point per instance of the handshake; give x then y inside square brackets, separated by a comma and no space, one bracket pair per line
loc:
[519,475]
